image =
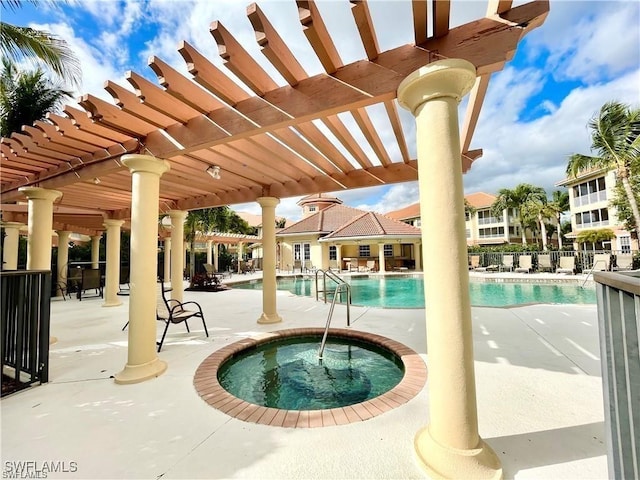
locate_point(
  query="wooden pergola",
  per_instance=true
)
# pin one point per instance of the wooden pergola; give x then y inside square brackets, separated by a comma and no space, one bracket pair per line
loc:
[264,137]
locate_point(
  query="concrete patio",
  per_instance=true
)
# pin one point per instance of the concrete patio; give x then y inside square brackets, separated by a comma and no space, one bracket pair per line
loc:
[537,375]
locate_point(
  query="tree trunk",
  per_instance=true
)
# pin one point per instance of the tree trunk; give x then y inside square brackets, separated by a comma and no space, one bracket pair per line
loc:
[522,235]
[632,203]
[559,233]
[192,262]
[543,232]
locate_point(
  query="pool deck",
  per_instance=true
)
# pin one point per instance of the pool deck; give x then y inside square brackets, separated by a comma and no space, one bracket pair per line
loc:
[537,375]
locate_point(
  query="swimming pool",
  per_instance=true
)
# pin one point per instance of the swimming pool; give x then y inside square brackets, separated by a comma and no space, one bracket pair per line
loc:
[408,291]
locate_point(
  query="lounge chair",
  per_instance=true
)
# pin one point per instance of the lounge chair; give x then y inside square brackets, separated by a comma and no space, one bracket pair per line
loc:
[524,264]
[567,265]
[601,261]
[371,266]
[544,262]
[507,263]
[333,266]
[624,261]
[474,262]
[169,310]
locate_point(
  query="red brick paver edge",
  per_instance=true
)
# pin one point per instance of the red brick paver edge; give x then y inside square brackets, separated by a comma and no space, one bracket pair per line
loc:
[207,386]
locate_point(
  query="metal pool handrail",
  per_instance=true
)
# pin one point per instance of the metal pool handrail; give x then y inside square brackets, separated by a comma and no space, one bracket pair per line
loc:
[590,272]
[341,285]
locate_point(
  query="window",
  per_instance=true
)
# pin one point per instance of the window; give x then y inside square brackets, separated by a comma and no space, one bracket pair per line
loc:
[388,250]
[593,218]
[364,251]
[590,192]
[468,231]
[493,232]
[333,252]
[625,244]
[485,216]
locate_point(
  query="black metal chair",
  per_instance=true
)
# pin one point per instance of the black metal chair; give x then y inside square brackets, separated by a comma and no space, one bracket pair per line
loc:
[91,280]
[171,311]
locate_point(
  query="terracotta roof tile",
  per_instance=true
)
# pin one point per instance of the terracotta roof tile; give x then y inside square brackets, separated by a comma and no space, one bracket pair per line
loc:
[371,224]
[480,199]
[411,211]
[324,221]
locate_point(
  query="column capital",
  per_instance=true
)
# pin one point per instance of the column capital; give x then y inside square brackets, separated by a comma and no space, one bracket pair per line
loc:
[145,163]
[268,201]
[37,193]
[177,214]
[452,77]
[16,225]
[112,222]
[96,237]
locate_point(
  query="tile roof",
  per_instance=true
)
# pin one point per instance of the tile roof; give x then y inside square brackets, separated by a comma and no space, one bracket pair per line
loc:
[476,200]
[371,224]
[324,221]
[480,199]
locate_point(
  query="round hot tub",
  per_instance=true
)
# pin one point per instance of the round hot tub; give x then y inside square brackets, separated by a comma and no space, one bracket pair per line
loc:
[278,378]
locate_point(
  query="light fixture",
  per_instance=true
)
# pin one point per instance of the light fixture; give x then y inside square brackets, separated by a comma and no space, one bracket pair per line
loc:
[96,180]
[214,171]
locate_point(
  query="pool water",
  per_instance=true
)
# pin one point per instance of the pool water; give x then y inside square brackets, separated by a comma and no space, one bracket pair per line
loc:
[408,292]
[287,373]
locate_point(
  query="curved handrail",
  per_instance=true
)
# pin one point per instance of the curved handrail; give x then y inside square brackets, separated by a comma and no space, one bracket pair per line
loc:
[341,285]
[590,272]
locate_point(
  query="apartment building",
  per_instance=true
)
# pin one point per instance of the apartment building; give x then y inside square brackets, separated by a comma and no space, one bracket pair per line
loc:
[483,227]
[589,197]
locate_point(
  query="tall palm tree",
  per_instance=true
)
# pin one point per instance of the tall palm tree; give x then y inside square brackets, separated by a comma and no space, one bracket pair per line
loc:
[25,97]
[19,42]
[615,138]
[559,204]
[540,210]
[203,221]
[517,198]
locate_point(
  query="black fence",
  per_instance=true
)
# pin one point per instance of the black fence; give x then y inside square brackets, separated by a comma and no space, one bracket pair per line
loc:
[24,325]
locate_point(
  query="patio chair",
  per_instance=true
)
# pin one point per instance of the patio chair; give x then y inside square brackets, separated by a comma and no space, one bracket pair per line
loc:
[601,261]
[544,262]
[507,263]
[309,267]
[624,261]
[333,266]
[171,311]
[297,264]
[524,264]
[474,262]
[371,266]
[91,280]
[567,265]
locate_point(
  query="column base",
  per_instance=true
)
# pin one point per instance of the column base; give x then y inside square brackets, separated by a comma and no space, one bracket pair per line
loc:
[440,461]
[269,318]
[112,303]
[140,373]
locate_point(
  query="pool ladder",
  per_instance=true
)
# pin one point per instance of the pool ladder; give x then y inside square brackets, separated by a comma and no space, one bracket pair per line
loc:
[341,286]
[590,272]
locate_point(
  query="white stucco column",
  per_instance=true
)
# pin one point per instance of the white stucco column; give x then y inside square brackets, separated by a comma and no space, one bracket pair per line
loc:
[63,258]
[215,257]
[449,447]
[418,255]
[11,243]
[177,246]
[209,246]
[40,225]
[112,269]
[142,360]
[381,264]
[95,251]
[269,311]
[167,259]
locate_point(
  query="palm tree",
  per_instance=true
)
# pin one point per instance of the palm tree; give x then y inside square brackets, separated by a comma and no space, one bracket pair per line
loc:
[517,199]
[203,221]
[25,97]
[559,204]
[20,42]
[615,140]
[540,210]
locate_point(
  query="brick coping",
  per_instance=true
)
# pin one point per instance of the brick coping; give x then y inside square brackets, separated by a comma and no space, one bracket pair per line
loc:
[206,384]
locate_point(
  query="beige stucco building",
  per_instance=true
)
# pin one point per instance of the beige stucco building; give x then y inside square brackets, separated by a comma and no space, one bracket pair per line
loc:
[590,194]
[333,235]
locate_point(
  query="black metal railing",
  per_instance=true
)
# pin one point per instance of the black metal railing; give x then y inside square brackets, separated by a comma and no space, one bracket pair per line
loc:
[619,326]
[24,324]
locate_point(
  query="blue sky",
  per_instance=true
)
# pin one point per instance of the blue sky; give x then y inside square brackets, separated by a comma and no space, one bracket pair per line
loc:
[533,118]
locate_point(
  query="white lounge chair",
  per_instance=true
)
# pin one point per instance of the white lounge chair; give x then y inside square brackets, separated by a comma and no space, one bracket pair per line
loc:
[567,265]
[507,263]
[624,261]
[544,262]
[524,264]
[601,261]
